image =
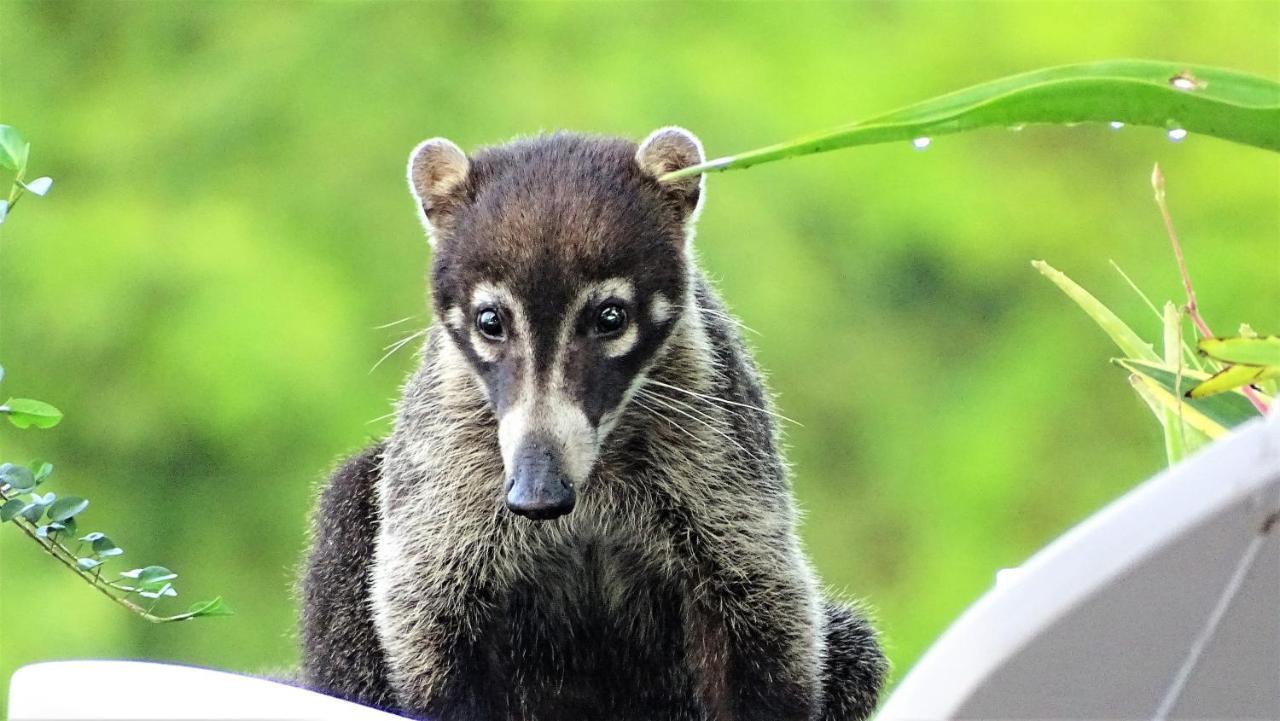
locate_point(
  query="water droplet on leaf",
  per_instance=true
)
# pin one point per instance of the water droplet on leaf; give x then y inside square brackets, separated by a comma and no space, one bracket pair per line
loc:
[1186,81]
[1115,124]
[1177,134]
[921,142]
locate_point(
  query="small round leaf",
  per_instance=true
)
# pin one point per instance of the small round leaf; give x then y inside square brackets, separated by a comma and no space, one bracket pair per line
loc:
[19,478]
[102,543]
[11,509]
[39,186]
[13,149]
[153,577]
[26,413]
[66,507]
[88,564]
[41,470]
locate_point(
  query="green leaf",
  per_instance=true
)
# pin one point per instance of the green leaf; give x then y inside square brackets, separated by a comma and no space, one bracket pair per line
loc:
[1176,443]
[1245,351]
[1199,99]
[13,149]
[65,528]
[216,607]
[66,507]
[164,589]
[26,413]
[1121,334]
[1223,411]
[1233,377]
[11,509]
[150,576]
[41,470]
[88,564]
[104,547]
[39,186]
[37,507]
[19,478]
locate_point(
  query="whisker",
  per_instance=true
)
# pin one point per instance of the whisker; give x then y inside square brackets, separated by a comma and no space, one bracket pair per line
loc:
[393,347]
[670,404]
[394,322]
[722,315]
[654,412]
[724,401]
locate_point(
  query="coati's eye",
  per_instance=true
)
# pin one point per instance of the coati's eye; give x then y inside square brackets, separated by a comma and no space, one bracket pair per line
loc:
[611,319]
[489,323]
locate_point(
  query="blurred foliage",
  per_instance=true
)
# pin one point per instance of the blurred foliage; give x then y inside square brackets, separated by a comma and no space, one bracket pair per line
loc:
[202,294]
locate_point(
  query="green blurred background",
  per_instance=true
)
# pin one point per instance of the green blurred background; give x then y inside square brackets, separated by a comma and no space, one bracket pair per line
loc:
[201,292]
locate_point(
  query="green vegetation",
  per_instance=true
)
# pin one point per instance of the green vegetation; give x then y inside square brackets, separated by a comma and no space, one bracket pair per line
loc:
[51,521]
[1192,406]
[1178,97]
[204,292]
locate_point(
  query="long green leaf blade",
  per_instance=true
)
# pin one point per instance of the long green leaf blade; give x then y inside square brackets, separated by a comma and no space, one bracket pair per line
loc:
[1129,342]
[1199,99]
[1228,409]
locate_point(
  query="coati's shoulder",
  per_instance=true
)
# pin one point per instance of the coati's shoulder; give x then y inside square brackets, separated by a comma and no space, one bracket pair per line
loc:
[341,652]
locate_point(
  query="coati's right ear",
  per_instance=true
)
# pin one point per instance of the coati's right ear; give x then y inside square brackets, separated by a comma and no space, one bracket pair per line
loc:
[669,149]
[437,169]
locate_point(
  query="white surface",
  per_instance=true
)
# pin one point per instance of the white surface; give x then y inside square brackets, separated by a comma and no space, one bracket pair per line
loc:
[117,690]
[1164,605]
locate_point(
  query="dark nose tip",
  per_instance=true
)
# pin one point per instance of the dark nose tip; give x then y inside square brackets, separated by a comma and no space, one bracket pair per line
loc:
[538,488]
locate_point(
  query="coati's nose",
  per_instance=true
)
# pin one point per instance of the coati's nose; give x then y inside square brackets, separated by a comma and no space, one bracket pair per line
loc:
[537,487]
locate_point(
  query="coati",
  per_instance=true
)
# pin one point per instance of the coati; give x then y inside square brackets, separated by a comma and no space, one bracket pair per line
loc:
[582,512]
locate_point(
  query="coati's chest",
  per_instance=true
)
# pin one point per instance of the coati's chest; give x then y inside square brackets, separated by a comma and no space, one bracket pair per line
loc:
[593,632]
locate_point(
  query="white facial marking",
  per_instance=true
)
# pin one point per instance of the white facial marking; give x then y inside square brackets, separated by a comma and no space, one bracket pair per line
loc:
[659,308]
[623,344]
[619,288]
[557,420]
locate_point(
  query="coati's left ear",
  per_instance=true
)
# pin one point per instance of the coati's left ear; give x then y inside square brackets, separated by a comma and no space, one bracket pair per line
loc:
[437,169]
[670,149]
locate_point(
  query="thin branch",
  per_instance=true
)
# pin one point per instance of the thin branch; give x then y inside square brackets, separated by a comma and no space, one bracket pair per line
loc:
[67,559]
[1193,310]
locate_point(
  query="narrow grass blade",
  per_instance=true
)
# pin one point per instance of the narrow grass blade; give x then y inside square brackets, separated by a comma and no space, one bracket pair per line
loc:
[1196,99]
[1158,394]
[1129,342]
[1180,438]
[1226,410]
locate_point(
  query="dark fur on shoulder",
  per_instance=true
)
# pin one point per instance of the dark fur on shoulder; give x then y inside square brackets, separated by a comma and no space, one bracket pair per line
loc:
[583,512]
[336,623]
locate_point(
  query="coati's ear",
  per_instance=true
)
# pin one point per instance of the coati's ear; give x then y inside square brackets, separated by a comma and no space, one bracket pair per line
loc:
[437,168]
[667,150]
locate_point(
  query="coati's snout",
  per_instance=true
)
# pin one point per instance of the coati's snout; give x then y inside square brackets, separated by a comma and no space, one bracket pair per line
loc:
[561,267]
[538,487]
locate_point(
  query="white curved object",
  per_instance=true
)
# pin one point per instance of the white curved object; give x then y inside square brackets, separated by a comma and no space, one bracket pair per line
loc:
[1164,605]
[119,690]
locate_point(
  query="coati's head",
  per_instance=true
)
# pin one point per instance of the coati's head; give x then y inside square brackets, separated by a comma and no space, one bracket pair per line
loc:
[561,266]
